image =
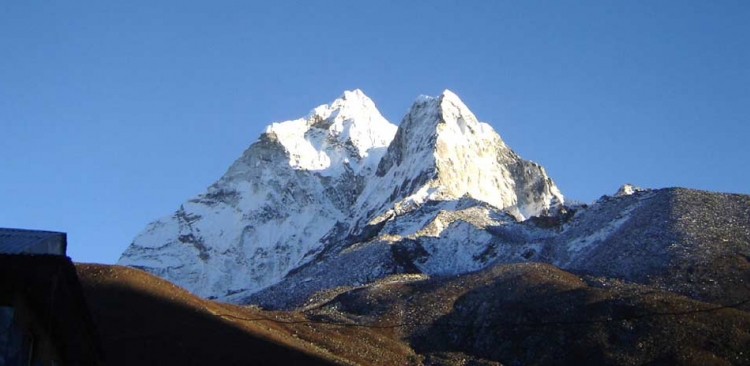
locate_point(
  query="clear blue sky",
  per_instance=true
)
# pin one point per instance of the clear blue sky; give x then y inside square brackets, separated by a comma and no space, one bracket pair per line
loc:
[111,115]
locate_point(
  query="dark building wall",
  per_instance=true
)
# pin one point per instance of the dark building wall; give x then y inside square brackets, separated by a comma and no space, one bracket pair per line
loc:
[25,338]
[48,306]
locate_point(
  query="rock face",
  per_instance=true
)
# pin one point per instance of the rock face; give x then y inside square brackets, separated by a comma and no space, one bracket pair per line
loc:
[342,198]
[341,176]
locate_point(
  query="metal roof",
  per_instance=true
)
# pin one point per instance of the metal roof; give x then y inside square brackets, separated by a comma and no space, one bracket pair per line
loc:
[20,241]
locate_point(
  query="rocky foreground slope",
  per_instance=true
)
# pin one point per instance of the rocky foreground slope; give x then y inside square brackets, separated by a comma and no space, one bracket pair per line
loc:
[518,314]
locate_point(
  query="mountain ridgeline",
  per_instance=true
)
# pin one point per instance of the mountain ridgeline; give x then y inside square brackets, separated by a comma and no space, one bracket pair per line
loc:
[342,199]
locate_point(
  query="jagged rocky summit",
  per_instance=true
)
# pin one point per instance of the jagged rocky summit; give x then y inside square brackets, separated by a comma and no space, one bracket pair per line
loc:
[342,198]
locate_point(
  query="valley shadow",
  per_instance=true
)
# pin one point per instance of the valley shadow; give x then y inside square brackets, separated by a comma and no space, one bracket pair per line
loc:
[140,328]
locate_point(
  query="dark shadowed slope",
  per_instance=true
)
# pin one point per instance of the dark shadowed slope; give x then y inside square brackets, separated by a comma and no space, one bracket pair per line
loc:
[145,320]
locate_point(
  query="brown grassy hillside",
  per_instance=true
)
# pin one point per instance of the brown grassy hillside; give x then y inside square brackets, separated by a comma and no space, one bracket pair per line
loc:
[144,320]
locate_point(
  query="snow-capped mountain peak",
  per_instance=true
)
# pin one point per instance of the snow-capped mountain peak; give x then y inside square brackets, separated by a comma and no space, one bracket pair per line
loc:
[455,111]
[442,152]
[350,105]
[322,181]
[333,135]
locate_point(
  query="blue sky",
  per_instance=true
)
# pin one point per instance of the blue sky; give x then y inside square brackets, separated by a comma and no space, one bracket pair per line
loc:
[113,114]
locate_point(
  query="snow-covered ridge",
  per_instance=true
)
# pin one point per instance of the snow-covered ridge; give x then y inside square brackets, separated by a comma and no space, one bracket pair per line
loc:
[340,177]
